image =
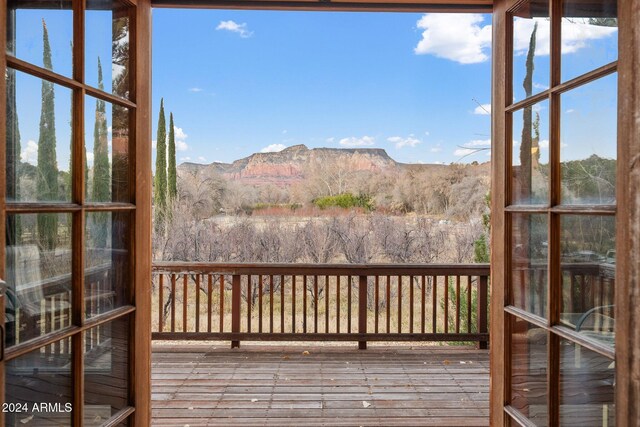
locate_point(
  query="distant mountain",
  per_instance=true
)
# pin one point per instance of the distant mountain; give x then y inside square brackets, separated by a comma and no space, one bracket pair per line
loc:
[291,164]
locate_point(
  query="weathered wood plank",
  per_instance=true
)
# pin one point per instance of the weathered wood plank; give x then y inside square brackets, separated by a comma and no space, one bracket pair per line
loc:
[274,385]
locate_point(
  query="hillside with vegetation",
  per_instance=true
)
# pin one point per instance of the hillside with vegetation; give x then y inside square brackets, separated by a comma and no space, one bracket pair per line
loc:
[324,205]
[302,178]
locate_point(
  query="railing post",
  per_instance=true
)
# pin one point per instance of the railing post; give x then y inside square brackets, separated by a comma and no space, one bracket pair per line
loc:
[160,302]
[235,309]
[362,310]
[483,302]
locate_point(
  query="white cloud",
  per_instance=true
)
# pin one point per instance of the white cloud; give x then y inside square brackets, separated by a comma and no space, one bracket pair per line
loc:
[154,143]
[181,145]
[185,159]
[540,86]
[273,148]
[353,141]
[576,35]
[90,157]
[454,36]
[463,38]
[436,149]
[483,110]
[180,135]
[234,27]
[30,153]
[195,89]
[426,133]
[570,110]
[400,142]
[544,143]
[202,159]
[330,140]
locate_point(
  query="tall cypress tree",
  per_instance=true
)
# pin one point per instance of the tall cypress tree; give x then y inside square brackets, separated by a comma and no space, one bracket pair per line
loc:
[160,182]
[13,139]
[171,166]
[14,229]
[527,117]
[47,169]
[101,174]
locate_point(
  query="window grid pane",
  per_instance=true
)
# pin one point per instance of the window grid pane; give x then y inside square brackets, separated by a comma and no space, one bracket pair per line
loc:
[531,59]
[39,244]
[38,139]
[106,353]
[529,370]
[581,173]
[588,143]
[107,269]
[588,276]
[587,381]
[529,250]
[107,46]
[38,259]
[589,36]
[42,37]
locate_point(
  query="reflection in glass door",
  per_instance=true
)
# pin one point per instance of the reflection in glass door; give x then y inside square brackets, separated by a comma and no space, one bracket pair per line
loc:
[559,212]
[70,209]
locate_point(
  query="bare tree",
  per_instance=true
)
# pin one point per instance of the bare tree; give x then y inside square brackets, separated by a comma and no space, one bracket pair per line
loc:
[203,191]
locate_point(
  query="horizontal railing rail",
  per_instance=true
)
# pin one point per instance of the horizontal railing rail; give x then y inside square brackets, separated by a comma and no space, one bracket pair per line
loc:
[585,285]
[321,302]
[49,309]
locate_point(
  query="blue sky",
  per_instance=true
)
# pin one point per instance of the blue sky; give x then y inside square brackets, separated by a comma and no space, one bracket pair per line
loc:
[240,82]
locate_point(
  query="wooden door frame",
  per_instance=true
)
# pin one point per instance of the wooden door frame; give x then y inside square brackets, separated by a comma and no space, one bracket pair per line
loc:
[627,392]
[140,380]
[498,245]
[415,6]
[628,220]
[140,129]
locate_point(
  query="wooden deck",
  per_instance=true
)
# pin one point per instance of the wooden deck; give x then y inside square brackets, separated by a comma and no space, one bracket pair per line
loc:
[205,385]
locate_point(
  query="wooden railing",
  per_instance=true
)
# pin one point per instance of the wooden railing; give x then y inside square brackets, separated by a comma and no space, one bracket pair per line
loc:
[50,310]
[303,302]
[585,286]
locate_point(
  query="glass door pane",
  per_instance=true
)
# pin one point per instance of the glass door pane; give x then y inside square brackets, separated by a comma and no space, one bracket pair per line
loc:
[38,387]
[531,48]
[529,370]
[560,214]
[589,36]
[587,382]
[67,252]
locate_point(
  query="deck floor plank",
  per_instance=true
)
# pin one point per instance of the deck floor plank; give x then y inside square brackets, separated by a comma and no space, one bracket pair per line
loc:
[211,385]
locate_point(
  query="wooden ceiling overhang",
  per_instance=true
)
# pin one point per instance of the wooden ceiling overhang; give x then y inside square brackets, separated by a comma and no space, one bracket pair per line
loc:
[420,6]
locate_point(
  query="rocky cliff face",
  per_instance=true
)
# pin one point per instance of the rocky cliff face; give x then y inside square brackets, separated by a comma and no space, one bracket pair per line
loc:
[291,164]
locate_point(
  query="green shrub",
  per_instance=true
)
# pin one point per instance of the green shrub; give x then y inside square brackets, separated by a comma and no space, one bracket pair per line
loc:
[345,201]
